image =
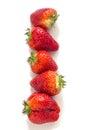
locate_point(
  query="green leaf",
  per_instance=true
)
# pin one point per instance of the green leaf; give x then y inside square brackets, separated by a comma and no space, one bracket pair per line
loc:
[32,59]
[29,35]
[26,109]
[53,18]
[61,82]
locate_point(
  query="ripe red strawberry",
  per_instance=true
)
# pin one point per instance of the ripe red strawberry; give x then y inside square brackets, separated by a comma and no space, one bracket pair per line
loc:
[42,61]
[45,17]
[40,39]
[48,82]
[41,108]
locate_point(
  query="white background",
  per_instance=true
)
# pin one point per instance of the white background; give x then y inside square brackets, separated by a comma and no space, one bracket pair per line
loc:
[71,32]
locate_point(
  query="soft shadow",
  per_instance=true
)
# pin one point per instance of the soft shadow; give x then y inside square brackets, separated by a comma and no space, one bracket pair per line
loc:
[49,126]
[46,126]
[54,31]
[32,90]
[32,74]
[59,99]
[54,54]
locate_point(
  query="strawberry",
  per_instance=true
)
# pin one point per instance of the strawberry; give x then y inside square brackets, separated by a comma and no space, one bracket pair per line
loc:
[48,82]
[42,61]
[41,108]
[40,39]
[45,17]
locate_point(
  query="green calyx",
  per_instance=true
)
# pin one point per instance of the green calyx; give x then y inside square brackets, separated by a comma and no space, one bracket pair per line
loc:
[27,110]
[28,33]
[53,18]
[60,82]
[32,59]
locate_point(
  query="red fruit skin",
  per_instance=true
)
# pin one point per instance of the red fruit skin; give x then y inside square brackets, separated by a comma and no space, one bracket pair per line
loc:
[43,117]
[42,40]
[44,108]
[44,62]
[41,17]
[46,82]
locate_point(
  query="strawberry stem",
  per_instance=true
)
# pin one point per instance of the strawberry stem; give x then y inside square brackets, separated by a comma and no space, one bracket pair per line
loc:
[60,82]
[54,18]
[28,33]
[32,59]
[27,109]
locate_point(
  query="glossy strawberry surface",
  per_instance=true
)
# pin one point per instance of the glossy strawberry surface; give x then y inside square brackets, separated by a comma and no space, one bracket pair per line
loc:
[41,108]
[48,82]
[44,17]
[40,39]
[42,61]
